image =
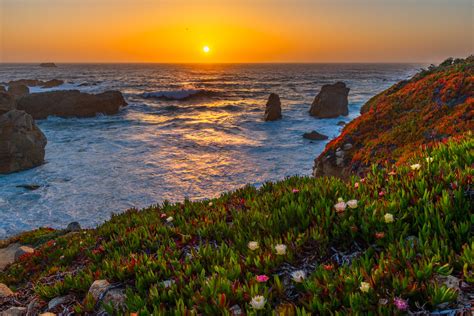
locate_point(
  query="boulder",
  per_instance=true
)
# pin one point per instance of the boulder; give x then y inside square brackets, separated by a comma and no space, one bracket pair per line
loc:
[116,298]
[7,102]
[18,90]
[2,89]
[59,302]
[36,83]
[315,136]
[98,288]
[73,227]
[331,101]
[5,291]
[23,250]
[48,65]
[51,83]
[22,144]
[273,108]
[70,103]
[7,255]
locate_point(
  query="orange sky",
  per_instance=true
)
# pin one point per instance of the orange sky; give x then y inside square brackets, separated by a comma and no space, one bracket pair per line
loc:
[235,31]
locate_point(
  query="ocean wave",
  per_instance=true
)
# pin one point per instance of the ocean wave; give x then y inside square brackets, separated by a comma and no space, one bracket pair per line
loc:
[180,95]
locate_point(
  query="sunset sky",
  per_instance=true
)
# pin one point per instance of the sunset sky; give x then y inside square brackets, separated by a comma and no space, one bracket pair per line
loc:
[235,30]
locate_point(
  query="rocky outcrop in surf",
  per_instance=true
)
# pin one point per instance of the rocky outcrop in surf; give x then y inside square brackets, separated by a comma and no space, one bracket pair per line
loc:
[180,95]
[7,102]
[36,83]
[22,144]
[71,103]
[273,108]
[331,101]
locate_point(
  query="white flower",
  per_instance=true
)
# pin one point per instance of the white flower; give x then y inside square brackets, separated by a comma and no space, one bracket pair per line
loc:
[253,245]
[340,207]
[258,302]
[416,166]
[352,203]
[429,159]
[170,219]
[280,249]
[364,287]
[210,204]
[298,276]
[388,218]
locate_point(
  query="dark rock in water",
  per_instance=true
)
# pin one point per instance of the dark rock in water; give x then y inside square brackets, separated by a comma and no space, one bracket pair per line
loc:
[315,136]
[2,89]
[48,65]
[18,90]
[36,83]
[30,187]
[7,102]
[71,103]
[51,83]
[331,101]
[341,123]
[21,142]
[273,108]
[73,226]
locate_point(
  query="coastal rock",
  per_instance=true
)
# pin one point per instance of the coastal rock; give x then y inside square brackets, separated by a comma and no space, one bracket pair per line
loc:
[23,250]
[73,227]
[98,288]
[51,83]
[341,123]
[14,311]
[116,298]
[7,102]
[59,301]
[2,89]
[7,255]
[18,90]
[331,101]
[315,136]
[273,108]
[5,291]
[48,65]
[22,144]
[33,307]
[71,103]
[36,83]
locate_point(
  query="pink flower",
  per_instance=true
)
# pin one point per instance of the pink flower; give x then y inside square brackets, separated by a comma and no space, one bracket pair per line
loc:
[356,185]
[163,215]
[381,193]
[295,190]
[400,303]
[262,278]
[392,173]
[362,180]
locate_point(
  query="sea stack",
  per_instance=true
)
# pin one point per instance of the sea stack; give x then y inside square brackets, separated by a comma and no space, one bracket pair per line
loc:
[22,144]
[331,101]
[273,108]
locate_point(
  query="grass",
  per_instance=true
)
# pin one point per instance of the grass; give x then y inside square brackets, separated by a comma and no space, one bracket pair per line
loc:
[194,257]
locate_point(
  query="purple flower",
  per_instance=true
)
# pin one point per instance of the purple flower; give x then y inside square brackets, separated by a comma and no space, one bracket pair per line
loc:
[400,303]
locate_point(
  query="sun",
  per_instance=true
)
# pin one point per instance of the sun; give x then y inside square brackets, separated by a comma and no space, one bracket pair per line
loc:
[206,49]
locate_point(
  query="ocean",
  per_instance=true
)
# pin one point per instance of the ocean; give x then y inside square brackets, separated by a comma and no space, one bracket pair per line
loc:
[189,131]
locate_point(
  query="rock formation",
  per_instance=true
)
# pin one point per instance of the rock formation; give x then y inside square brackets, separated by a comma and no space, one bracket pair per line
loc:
[273,108]
[48,65]
[331,101]
[22,144]
[7,102]
[37,83]
[18,90]
[71,103]
[315,136]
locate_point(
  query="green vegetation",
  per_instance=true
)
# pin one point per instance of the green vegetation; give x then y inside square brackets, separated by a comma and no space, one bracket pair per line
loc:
[377,245]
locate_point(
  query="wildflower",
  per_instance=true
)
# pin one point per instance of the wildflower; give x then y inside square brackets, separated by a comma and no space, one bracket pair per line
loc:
[416,166]
[356,185]
[340,207]
[280,249]
[352,203]
[262,278]
[253,245]
[381,193]
[362,180]
[388,218]
[170,219]
[298,276]
[258,302]
[295,190]
[379,235]
[328,267]
[392,173]
[339,200]
[210,204]
[429,159]
[364,287]
[163,215]
[400,303]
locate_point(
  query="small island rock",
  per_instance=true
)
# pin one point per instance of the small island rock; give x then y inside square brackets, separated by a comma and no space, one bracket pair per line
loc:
[273,108]
[22,144]
[315,136]
[71,103]
[331,101]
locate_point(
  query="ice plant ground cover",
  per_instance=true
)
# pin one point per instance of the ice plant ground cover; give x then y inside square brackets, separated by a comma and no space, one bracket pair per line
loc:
[201,263]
